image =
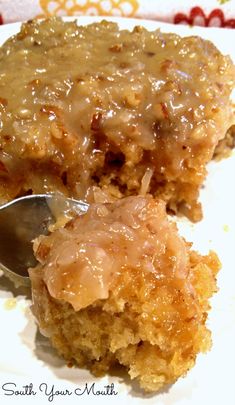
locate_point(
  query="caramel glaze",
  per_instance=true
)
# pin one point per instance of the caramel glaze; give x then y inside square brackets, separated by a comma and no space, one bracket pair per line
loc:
[98,106]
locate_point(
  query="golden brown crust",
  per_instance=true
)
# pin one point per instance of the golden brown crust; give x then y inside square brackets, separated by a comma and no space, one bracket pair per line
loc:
[126,331]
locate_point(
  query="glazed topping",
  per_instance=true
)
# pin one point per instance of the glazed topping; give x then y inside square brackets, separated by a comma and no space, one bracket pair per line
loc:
[94,105]
[84,261]
[97,78]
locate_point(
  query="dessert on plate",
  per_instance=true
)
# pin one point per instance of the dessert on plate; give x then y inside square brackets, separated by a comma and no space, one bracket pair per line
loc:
[97,108]
[127,121]
[119,285]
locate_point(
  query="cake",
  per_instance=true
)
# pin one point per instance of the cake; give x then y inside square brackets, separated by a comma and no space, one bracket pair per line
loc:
[96,108]
[118,285]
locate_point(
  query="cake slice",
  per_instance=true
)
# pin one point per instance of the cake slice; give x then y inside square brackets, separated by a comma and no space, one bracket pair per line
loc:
[118,285]
[96,106]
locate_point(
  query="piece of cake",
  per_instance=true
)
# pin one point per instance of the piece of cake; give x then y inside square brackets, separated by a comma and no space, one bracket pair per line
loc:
[119,285]
[95,106]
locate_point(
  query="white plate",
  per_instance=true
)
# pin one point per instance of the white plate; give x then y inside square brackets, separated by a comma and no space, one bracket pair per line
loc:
[26,358]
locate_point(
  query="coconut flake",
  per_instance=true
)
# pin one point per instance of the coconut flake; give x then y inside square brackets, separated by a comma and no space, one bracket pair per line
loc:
[145,182]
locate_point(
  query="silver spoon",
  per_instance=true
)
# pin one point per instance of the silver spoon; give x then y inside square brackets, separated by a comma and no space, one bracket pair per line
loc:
[24,219]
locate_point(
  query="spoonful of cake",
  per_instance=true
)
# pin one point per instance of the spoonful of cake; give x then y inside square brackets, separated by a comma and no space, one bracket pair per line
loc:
[24,219]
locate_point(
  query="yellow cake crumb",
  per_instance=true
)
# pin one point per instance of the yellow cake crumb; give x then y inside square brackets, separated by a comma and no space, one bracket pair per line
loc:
[10,303]
[119,285]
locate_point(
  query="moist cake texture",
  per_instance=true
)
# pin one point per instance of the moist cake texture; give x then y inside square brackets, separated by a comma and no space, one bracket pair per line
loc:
[95,106]
[119,285]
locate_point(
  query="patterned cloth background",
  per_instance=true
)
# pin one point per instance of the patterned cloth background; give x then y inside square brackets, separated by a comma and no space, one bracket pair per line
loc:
[219,13]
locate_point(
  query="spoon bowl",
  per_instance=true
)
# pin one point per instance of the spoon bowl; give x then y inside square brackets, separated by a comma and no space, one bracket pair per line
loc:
[24,219]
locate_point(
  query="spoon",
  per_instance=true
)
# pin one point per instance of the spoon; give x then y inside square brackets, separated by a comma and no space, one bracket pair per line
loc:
[24,219]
